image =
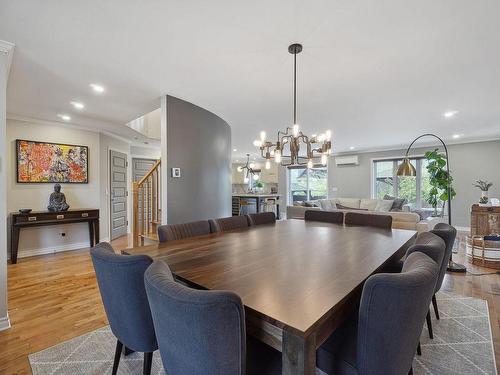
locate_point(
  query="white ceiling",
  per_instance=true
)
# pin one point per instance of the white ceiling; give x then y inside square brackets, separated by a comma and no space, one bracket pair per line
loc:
[376,72]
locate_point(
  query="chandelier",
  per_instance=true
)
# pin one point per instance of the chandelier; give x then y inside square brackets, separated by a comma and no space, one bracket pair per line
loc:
[286,150]
[249,170]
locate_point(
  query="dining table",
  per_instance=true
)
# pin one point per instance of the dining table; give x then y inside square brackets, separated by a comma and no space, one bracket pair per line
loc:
[298,280]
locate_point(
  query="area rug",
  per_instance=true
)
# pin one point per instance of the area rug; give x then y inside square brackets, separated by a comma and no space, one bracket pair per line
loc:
[462,345]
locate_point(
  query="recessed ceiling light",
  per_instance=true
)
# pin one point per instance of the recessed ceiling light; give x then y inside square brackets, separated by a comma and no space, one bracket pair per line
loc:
[64,117]
[450,114]
[78,105]
[235,149]
[456,136]
[351,148]
[97,88]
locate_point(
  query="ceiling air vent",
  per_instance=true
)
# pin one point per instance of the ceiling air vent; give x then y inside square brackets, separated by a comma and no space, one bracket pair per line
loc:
[347,160]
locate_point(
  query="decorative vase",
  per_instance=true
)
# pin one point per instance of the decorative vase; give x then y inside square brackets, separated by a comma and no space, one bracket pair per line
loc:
[484,197]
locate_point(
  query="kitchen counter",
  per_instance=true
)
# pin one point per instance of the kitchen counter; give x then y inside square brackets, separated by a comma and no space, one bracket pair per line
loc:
[250,195]
[254,203]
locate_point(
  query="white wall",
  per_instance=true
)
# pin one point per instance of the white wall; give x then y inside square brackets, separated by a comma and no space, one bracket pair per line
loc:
[4,318]
[145,152]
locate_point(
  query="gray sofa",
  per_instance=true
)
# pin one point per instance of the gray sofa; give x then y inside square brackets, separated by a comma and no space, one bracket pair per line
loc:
[400,219]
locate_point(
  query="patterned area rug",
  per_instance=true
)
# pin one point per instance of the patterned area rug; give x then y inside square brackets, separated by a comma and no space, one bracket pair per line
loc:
[462,345]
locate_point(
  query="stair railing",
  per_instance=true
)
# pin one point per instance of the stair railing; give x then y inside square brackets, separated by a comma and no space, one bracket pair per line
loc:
[146,205]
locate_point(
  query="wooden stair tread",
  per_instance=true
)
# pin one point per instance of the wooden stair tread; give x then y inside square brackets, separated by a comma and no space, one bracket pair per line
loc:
[150,236]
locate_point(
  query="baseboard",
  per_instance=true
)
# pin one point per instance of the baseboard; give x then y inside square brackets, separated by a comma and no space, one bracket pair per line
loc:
[4,323]
[56,249]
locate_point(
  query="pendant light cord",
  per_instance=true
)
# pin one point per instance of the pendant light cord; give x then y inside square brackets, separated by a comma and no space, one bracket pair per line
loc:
[295,87]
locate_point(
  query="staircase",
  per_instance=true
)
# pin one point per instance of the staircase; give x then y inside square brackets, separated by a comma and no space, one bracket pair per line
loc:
[147,206]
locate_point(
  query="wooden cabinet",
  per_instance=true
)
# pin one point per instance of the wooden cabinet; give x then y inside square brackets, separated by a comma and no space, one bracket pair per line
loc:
[485,220]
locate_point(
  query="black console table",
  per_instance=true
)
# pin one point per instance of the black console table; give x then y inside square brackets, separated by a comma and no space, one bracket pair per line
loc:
[41,218]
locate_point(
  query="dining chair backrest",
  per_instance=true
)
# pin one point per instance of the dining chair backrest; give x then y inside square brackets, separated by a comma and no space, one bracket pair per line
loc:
[369,220]
[262,218]
[448,233]
[334,217]
[171,232]
[121,283]
[228,223]
[391,316]
[199,331]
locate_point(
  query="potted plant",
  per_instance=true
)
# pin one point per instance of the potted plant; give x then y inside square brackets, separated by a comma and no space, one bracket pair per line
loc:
[258,186]
[440,181]
[484,187]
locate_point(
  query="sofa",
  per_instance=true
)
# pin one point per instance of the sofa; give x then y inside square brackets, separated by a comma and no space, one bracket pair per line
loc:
[401,219]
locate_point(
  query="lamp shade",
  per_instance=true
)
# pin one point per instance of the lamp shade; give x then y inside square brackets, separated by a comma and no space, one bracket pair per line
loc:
[406,168]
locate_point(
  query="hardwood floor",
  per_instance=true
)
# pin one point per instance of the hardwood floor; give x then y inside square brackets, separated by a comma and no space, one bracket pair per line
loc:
[53,298]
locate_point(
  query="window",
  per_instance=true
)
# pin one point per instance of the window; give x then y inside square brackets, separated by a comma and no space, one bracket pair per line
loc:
[414,189]
[307,184]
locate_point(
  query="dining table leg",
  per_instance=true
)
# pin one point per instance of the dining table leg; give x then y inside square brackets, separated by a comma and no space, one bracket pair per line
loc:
[298,354]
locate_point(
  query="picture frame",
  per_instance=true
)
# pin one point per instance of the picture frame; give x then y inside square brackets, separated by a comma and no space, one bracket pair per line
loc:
[39,162]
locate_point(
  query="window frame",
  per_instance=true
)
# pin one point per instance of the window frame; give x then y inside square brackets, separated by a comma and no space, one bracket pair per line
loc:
[418,159]
[308,194]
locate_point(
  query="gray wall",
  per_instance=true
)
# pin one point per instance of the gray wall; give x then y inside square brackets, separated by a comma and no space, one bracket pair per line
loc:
[199,143]
[468,162]
[4,322]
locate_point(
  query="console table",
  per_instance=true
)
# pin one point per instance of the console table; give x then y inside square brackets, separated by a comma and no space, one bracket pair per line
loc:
[483,244]
[42,218]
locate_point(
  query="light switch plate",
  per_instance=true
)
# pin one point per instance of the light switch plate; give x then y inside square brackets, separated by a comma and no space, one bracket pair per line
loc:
[176,172]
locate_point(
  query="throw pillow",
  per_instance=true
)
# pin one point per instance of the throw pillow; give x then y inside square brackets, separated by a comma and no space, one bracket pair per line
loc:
[310,204]
[341,207]
[397,204]
[384,205]
[325,204]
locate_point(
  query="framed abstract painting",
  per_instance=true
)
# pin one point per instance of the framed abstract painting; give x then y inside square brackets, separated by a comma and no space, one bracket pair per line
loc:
[44,162]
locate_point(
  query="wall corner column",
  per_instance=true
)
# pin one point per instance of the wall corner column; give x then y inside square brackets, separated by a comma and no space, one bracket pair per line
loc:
[163,167]
[6,51]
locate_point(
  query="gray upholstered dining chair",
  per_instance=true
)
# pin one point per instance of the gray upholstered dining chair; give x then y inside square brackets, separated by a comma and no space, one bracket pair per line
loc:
[334,217]
[171,232]
[370,220]
[203,331]
[448,234]
[228,223]
[262,218]
[383,338]
[434,246]
[121,283]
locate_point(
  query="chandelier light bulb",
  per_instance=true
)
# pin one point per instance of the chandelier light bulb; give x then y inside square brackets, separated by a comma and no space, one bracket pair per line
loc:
[245,180]
[324,159]
[262,136]
[255,177]
[310,164]
[268,164]
[239,169]
[272,153]
[321,138]
[252,165]
[277,156]
[296,130]
[257,143]
[328,135]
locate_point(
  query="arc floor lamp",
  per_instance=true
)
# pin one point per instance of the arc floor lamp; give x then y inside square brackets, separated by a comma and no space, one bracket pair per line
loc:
[407,169]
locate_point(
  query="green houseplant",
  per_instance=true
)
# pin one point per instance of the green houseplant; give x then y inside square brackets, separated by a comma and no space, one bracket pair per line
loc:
[440,181]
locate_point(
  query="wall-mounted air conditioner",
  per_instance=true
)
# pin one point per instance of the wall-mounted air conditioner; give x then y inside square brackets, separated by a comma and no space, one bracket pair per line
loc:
[347,160]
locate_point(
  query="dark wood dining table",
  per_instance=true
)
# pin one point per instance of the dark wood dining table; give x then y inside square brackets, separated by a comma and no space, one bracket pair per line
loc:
[298,280]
